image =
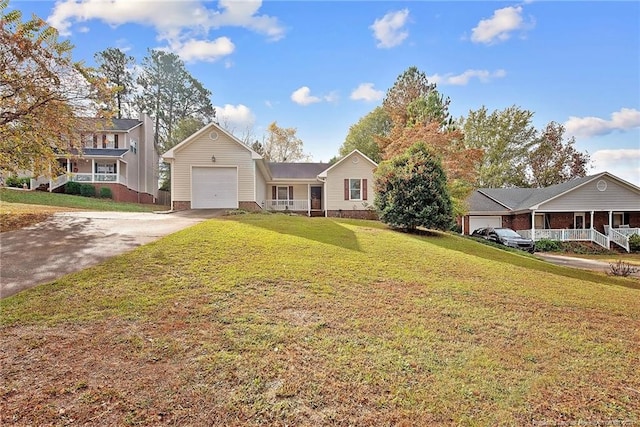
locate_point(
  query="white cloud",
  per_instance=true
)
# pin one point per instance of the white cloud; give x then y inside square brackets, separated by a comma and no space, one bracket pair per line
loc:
[233,117]
[623,120]
[389,30]
[623,163]
[366,92]
[204,50]
[463,79]
[178,22]
[500,26]
[303,96]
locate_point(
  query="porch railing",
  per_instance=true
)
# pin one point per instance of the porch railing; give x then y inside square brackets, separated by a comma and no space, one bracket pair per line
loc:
[94,177]
[287,205]
[619,238]
[566,235]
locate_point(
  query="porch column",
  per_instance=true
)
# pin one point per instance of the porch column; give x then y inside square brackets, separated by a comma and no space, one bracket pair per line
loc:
[592,227]
[93,169]
[118,170]
[68,165]
[533,225]
[308,199]
[610,221]
[324,198]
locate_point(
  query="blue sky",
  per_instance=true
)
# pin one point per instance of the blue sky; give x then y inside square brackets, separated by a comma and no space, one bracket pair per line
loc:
[321,66]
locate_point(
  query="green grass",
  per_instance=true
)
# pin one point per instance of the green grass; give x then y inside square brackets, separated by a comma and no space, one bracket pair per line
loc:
[274,320]
[70,201]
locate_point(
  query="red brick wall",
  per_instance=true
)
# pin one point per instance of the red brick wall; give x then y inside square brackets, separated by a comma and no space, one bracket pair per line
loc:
[351,213]
[181,206]
[121,193]
[249,206]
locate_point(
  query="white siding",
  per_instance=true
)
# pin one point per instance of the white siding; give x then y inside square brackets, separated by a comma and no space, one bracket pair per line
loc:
[616,196]
[198,153]
[363,169]
[261,188]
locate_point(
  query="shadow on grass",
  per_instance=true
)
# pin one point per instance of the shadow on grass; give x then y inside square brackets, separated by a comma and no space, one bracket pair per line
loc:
[518,258]
[320,230]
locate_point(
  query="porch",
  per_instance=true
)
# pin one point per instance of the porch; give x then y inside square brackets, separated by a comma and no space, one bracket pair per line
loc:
[619,236]
[87,171]
[299,198]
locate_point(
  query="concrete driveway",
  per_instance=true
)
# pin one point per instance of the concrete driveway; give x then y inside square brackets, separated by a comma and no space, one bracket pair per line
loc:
[72,241]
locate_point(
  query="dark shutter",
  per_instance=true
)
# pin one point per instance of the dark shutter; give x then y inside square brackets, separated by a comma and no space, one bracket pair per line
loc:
[346,189]
[364,189]
[274,192]
[115,141]
[291,192]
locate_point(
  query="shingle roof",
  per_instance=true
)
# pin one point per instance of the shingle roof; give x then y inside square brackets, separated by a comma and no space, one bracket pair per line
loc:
[480,202]
[121,125]
[296,170]
[523,198]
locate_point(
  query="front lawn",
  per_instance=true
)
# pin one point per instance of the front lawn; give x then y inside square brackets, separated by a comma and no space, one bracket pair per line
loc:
[278,320]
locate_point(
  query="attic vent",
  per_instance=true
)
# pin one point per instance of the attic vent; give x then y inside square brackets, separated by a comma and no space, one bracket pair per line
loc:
[601,185]
[213,135]
[355,159]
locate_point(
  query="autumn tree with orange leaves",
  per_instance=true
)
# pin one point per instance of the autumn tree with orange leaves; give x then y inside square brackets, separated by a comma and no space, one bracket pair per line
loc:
[419,114]
[43,95]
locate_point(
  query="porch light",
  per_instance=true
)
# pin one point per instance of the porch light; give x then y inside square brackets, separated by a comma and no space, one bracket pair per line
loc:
[213,158]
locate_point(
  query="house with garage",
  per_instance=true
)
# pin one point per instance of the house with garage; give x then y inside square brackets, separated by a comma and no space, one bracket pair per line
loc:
[118,154]
[600,208]
[212,169]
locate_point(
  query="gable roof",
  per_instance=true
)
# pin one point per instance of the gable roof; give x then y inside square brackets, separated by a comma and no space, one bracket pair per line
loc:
[296,170]
[323,174]
[170,154]
[522,199]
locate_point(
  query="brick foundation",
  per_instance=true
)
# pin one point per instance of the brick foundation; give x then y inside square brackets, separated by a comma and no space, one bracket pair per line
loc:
[181,206]
[121,193]
[249,206]
[355,214]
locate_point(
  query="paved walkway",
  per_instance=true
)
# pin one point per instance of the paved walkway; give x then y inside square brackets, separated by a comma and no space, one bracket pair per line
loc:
[582,263]
[72,241]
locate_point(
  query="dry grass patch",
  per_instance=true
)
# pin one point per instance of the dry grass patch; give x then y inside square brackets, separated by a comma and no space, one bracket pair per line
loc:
[14,216]
[272,320]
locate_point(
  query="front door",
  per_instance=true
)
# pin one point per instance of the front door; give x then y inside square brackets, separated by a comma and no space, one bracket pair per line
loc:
[579,221]
[316,198]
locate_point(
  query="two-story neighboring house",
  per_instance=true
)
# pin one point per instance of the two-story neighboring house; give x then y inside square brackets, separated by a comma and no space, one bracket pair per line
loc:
[118,154]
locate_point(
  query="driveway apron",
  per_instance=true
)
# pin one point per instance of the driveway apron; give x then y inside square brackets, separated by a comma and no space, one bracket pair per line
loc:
[73,241]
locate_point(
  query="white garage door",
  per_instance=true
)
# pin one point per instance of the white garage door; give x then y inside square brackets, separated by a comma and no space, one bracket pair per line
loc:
[476,222]
[214,188]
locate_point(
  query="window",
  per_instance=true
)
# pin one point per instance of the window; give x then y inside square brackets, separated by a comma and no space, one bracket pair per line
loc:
[355,189]
[134,146]
[283,193]
[105,168]
[620,218]
[109,140]
[282,196]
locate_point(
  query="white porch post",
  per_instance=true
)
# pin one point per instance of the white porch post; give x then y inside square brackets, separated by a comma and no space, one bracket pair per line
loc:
[308,199]
[592,227]
[118,171]
[93,169]
[610,220]
[324,198]
[533,225]
[68,165]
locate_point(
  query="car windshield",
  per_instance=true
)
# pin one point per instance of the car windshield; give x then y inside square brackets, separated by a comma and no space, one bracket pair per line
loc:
[506,232]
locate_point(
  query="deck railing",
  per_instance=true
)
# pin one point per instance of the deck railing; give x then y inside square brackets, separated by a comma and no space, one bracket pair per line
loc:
[287,205]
